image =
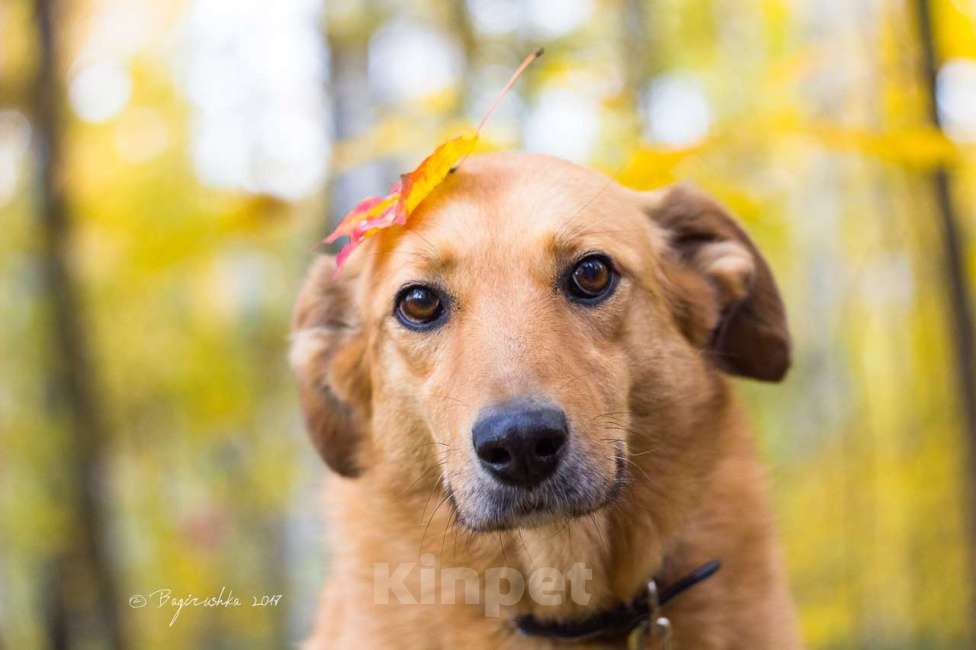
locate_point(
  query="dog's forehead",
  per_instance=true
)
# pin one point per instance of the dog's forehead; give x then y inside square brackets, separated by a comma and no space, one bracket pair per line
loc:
[500,207]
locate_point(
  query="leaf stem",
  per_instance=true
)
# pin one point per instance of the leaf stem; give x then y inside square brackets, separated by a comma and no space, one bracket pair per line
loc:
[511,82]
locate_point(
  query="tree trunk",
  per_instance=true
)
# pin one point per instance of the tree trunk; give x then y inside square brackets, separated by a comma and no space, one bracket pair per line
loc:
[958,292]
[353,117]
[81,594]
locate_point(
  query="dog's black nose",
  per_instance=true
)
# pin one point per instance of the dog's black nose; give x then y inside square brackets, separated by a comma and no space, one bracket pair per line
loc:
[520,444]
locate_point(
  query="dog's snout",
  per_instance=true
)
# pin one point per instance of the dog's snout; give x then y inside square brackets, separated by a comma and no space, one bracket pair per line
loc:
[520,445]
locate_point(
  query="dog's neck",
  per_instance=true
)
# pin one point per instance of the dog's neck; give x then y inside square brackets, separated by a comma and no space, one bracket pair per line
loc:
[605,558]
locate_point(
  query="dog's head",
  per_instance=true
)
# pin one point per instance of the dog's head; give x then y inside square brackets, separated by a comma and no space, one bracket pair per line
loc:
[533,329]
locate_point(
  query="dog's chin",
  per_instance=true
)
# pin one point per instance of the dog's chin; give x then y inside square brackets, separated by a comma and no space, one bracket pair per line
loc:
[486,505]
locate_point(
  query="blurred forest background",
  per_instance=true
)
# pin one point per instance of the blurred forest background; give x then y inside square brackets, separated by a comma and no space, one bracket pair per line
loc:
[166,169]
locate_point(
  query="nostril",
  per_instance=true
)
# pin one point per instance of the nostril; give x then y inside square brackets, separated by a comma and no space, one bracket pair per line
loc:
[549,446]
[495,455]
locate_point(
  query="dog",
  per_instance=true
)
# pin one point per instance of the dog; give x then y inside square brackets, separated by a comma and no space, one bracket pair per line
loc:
[531,377]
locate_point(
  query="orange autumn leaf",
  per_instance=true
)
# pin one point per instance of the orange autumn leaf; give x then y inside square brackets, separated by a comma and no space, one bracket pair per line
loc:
[378,212]
[419,183]
[365,210]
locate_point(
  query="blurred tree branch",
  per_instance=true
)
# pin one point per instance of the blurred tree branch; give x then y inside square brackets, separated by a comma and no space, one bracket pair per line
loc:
[636,49]
[12,94]
[81,594]
[459,22]
[958,291]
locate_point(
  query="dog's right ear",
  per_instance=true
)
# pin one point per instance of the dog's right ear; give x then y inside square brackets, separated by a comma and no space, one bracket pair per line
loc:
[328,357]
[727,300]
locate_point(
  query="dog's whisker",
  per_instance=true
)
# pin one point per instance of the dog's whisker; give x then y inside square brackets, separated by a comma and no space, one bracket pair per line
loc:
[580,211]
[429,520]
[430,246]
[606,413]
[638,454]
[430,496]
[423,476]
[501,544]
[599,530]
[631,463]
[448,525]
[438,442]
[521,541]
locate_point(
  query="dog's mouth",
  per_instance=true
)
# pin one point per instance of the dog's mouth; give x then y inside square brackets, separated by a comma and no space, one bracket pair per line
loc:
[575,490]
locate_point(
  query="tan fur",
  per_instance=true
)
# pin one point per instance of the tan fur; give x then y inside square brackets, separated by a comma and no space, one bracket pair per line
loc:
[392,410]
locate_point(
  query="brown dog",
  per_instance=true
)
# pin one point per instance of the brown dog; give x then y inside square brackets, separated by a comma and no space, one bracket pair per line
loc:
[526,383]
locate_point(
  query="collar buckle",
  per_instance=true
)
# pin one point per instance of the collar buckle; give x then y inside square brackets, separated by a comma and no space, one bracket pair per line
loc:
[654,626]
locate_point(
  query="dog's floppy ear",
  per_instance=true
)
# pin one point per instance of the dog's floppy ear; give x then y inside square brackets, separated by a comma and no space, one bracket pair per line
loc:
[328,357]
[725,295]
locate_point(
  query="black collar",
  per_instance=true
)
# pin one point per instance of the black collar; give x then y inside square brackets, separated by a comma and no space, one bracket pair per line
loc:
[618,621]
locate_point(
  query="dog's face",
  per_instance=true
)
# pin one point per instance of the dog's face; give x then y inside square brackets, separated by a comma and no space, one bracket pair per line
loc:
[532,329]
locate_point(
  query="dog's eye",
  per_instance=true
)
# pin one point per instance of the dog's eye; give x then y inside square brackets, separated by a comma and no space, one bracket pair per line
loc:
[591,279]
[419,307]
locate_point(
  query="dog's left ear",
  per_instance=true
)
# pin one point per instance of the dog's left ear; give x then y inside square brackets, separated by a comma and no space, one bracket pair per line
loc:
[328,357]
[726,300]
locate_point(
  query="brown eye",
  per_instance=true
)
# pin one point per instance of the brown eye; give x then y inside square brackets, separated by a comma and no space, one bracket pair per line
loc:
[591,279]
[419,307]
